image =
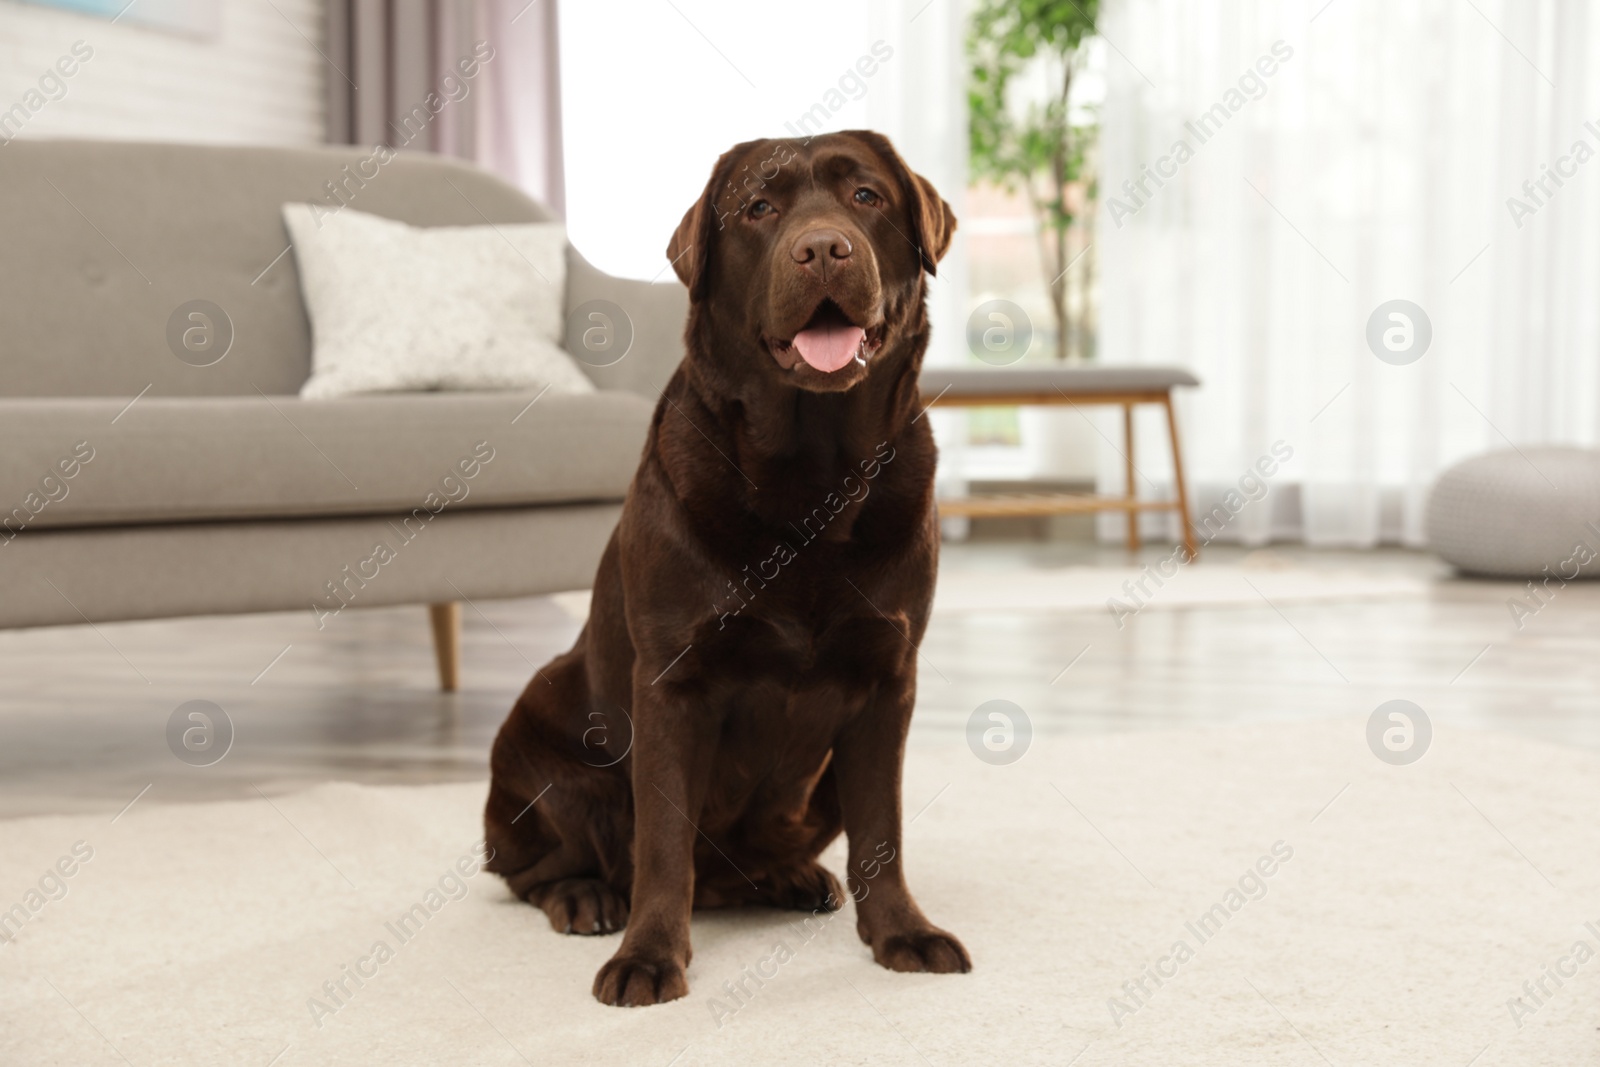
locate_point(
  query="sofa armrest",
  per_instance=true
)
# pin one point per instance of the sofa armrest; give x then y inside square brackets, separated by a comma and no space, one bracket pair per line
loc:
[656,313]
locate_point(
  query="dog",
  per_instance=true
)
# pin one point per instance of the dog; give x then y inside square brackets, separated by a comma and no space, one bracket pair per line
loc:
[743,686]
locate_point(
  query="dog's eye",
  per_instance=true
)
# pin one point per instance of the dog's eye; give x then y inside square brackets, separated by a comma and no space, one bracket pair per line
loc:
[761,209]
[867,196]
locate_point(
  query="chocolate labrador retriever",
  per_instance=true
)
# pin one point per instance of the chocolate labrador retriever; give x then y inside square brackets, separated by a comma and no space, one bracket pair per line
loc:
[743,686]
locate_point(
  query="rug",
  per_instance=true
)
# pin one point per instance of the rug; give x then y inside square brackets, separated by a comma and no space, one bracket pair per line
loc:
[1267,894]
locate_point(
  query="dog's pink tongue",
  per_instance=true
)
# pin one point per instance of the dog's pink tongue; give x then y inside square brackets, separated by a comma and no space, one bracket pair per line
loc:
[830,347]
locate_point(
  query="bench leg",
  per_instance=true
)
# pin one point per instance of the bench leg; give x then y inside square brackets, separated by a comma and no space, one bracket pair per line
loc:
[446,620]
[1132,489]
[1185,523]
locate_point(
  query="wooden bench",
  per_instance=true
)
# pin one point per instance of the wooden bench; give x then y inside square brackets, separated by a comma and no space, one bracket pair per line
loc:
[1073,386]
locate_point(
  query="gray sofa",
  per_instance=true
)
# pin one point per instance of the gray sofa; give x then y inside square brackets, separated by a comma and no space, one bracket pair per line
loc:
[135,484]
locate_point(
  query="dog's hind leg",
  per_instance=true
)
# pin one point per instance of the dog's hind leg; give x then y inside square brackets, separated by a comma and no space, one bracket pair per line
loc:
[559,823]
[581,905]
[772,857]
[554,867]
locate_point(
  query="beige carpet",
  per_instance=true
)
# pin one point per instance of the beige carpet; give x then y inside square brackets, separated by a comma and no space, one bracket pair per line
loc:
[1417,901]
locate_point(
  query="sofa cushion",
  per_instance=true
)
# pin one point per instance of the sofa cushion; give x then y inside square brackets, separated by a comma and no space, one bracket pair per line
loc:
[89,462]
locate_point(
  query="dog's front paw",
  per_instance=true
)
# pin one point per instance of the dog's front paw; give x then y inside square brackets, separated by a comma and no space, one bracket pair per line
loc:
[928,949]
[631,980]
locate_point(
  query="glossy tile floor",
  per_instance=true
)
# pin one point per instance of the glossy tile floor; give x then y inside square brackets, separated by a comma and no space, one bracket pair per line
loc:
[84,710]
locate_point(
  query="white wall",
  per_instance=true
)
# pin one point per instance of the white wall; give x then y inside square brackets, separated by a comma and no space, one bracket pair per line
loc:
[653,93]
[259,80]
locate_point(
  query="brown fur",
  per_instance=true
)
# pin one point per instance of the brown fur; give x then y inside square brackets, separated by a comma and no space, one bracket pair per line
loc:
[742,689]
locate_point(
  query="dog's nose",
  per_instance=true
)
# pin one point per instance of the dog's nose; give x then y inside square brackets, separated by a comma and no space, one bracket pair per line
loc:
[820,247]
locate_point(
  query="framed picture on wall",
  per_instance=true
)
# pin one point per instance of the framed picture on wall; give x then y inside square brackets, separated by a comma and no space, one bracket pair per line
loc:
[195,18]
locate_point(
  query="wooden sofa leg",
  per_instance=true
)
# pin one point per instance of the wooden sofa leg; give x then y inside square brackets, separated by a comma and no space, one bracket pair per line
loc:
[446,620]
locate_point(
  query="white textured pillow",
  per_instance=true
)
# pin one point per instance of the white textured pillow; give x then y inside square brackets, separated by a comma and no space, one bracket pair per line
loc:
[397,308]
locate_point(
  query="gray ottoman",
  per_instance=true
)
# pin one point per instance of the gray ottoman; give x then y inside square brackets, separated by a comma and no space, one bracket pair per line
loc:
[1511,514]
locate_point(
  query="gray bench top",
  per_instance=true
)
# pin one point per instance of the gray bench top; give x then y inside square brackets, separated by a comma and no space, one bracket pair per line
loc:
[1011,381]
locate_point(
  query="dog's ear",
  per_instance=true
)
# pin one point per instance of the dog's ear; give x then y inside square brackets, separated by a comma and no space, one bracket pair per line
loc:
[933,223]
[690,247]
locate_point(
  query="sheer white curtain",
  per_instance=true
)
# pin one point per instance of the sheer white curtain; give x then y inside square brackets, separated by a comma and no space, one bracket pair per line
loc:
[1374,162]
[922,106]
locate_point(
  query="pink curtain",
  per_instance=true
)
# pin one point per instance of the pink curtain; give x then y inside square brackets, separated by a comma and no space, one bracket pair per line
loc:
[475,79]
[519,136]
